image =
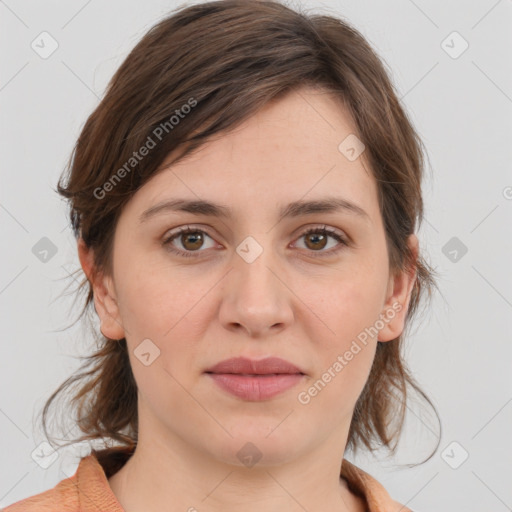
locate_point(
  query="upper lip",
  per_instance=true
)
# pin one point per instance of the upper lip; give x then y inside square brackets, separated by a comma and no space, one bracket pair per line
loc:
[257,367]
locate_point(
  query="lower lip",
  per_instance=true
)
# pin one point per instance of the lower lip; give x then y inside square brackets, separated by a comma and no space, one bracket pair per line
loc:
[255,388]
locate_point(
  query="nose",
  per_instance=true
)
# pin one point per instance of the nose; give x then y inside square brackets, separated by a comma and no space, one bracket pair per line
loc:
[256,296]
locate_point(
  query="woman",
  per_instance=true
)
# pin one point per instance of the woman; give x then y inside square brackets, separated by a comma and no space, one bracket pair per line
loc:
[245,199]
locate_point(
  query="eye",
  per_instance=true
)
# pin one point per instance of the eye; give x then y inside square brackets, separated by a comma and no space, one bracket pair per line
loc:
[316,239]
[191,240]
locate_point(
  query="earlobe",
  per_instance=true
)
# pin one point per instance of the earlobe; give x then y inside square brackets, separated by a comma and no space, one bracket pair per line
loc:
[399,295]
[105,300]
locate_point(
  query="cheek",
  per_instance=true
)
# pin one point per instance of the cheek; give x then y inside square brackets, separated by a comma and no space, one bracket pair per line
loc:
[174,314]
[345,339]
[345,349]
[158,301]
[346,305]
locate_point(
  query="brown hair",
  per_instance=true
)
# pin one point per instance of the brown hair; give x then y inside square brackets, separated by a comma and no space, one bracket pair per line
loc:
[201,71]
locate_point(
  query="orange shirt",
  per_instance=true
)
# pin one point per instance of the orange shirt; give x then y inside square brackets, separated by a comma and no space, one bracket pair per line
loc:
[88,490]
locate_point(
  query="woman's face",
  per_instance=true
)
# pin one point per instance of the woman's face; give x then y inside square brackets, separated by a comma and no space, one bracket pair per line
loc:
[251,283]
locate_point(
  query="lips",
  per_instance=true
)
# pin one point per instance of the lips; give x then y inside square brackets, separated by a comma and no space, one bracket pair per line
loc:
[255,380]
[245,366]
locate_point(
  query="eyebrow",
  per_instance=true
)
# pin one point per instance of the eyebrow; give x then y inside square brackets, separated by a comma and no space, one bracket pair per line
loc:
[294,209]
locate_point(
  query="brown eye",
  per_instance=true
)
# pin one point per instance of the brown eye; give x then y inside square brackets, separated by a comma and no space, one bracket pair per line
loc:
[317,239]
[191,240]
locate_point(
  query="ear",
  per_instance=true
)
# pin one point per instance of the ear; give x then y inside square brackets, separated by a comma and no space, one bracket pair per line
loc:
[105,301]
[398,297]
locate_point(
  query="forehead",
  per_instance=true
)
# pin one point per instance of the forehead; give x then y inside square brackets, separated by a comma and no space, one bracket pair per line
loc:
[289,150]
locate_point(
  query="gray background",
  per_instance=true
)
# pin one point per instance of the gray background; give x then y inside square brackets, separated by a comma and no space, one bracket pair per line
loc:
[462,107]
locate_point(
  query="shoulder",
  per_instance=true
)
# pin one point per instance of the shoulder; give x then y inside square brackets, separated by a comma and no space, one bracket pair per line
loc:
[87,489]
[63,496]
[365,485]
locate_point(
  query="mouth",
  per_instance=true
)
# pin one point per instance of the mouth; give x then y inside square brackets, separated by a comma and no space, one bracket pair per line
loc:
[253,374]
[254,367]
[253,388]
[255,380]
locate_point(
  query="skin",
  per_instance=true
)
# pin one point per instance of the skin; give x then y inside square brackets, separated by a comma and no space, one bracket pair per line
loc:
[290,302]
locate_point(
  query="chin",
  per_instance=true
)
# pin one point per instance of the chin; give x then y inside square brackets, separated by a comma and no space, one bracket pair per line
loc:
[253,442]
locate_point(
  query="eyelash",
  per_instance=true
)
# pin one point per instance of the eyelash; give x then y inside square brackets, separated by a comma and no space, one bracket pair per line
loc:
[323,231]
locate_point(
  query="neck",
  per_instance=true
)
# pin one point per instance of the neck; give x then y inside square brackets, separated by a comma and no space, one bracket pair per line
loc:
[157,477]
